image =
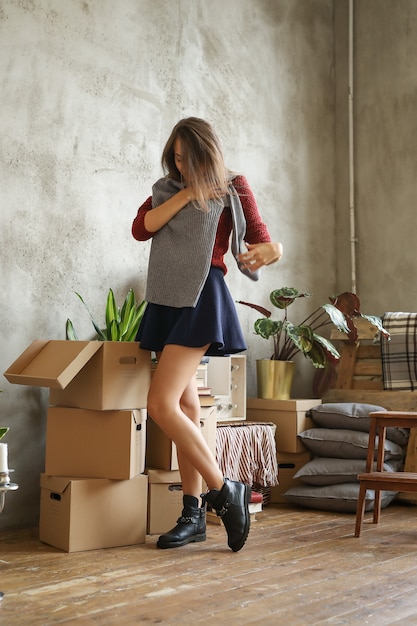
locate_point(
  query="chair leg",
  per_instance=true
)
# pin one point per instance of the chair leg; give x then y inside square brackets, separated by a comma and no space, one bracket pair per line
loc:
[360,511]
[377,506]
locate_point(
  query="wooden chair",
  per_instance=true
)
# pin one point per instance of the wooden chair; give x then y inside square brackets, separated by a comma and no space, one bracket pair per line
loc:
[380,480]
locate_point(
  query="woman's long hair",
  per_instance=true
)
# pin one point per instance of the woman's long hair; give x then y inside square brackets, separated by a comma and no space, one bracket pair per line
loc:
[203,159]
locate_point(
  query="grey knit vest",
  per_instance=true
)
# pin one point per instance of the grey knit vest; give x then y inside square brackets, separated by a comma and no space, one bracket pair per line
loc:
[181,251]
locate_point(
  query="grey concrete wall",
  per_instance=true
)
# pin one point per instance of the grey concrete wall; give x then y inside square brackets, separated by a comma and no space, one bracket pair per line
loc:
[386,149]
[385,154]
[89,92]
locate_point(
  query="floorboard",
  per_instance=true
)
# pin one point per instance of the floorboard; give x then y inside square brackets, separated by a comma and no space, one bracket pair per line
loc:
[298,567]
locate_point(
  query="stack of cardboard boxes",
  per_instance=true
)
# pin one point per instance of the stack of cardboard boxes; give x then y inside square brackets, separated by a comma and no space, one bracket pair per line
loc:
[111,475]
[93,492]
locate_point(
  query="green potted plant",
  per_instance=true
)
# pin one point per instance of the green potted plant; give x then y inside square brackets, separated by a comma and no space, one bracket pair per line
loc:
[275,374]
[121,323]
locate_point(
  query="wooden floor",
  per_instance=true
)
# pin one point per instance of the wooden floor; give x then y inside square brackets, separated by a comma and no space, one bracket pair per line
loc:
[298,567]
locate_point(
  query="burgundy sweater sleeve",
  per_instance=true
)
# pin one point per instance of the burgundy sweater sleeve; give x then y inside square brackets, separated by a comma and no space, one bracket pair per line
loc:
[256,229]
[139,231]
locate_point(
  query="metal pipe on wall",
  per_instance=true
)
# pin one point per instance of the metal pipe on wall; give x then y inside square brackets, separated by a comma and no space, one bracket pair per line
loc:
[353,239]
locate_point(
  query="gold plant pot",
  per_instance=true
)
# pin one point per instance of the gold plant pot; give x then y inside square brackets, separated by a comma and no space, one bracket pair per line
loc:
[274,379]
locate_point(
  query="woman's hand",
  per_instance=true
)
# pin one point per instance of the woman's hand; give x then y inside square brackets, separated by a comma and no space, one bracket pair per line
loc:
[162,214]
[260,254]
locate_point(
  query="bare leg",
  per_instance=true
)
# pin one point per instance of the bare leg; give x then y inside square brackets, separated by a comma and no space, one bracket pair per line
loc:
[172,404]
[190,405]
[169,388]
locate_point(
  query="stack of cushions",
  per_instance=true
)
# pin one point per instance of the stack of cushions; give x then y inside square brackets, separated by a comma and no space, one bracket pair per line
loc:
[339,446]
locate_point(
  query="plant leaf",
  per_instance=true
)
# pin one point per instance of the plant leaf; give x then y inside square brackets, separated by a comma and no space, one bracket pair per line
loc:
[70,331]
[282,298]
[337,317]
[128,305]
[96,326]
[257,307]
[111,312]
[132,330]
[377,322]
[328,346]
[3,431]
[267,328]
[126,323]
[113,331]
[301,336]
[322,353]
[128,313]
[317,356]
[348,303]
[105,335]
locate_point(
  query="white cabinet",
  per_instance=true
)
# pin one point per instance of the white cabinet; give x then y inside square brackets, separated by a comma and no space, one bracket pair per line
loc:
[226,375]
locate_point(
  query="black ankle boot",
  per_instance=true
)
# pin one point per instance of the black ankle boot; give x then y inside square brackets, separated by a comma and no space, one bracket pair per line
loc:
[231,504]
[191,526]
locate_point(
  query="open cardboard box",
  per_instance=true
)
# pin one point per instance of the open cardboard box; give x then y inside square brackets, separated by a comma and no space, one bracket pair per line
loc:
[99,375]
[90,513]
[95,444]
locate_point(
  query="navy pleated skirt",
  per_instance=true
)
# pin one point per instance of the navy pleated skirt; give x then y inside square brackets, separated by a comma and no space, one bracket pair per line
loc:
[212,321]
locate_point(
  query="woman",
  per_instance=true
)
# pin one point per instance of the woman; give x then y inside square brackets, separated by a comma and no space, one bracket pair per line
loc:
[191,313]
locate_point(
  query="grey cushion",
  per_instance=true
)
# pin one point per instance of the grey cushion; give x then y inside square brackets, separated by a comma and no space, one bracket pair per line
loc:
[344,444]
[341,498]
[328,471]
[353,416]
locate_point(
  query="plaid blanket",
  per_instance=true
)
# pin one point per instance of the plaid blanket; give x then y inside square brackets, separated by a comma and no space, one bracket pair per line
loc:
[399,353]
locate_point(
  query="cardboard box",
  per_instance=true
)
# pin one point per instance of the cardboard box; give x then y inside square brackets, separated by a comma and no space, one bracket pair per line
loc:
[288,466]
[288,415]
[95,444]
[87,514]
[164,500]
[99,375]
[161,452]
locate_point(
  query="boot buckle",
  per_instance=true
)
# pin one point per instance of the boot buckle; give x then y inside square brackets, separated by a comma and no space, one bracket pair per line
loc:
[223,510]
[185,520]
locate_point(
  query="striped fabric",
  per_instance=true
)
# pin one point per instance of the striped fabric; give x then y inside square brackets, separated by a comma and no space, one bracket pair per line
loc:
[246,451]
[399,353]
